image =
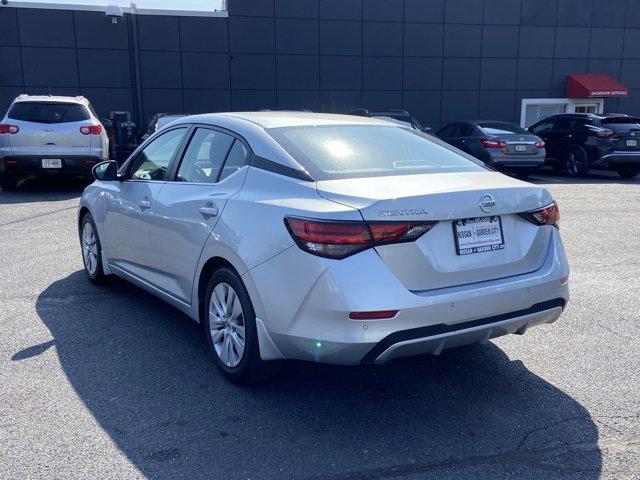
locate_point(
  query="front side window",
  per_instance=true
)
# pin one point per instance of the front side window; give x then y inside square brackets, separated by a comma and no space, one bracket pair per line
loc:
[203,159]
[49,112]
[543,127]
[153,161]
[351,151]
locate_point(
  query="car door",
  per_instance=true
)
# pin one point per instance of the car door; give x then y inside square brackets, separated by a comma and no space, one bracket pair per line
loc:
[191,202]
[544,130]
[128,216]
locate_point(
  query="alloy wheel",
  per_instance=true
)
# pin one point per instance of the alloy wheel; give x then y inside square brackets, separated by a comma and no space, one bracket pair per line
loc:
[572,165]
[89,248]
[226,325]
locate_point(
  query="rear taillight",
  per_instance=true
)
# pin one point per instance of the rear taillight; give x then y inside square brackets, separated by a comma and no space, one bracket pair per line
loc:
[605,132]
[540,144]
[340,239]
[490,143]
[6,128]
[91,129]
[549,215]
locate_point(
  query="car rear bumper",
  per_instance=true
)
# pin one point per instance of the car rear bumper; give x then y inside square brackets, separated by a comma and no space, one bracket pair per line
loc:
[314,325]
[32,165]
[619,159]
[517,161]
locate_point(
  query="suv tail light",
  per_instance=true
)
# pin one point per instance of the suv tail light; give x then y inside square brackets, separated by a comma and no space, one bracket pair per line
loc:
[605,132]
[339,239]
[6,128]
[540,144]
[549,215]
[490,143]
[91,129]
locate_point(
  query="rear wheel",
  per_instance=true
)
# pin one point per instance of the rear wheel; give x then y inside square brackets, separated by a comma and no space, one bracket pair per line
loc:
[230,330]
[576,164]
[8,183]
[91,249]
[628,172]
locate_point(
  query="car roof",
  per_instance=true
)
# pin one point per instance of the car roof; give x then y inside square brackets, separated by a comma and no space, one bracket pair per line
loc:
[52,99]
[290,119]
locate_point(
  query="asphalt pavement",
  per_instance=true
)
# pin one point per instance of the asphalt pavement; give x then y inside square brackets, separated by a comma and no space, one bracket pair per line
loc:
[111,383]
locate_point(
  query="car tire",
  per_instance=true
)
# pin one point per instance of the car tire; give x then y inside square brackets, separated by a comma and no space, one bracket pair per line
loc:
[8,183]
[576,163]
[91,250]
[628,172]
[231,336]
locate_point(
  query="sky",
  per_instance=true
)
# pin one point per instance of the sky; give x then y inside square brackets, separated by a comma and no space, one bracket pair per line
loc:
[200,5]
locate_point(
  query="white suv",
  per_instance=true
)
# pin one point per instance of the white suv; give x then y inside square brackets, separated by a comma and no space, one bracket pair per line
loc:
[43,135]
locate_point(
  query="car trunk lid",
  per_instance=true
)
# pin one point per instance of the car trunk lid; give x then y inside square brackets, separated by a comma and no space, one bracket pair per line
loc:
[518,144]
[432,261]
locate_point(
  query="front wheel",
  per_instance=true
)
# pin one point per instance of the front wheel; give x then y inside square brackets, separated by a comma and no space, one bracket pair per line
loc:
[628,172]
[230,330]
[91,249]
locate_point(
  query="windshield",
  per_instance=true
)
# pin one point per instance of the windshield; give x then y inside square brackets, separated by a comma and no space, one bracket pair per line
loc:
[52,112]
[621,124]
[498,128]
[348,151]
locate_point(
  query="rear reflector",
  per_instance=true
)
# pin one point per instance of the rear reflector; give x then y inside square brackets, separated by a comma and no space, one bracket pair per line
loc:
[6,128]
[549,215]
[339,239]
[377,315]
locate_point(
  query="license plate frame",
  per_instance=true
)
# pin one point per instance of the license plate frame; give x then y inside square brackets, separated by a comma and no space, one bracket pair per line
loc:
[520,148]
[51,163]
[632,143]
[491,245]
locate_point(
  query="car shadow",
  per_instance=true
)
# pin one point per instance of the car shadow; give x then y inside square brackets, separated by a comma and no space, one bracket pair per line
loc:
[44,189]
[142,371]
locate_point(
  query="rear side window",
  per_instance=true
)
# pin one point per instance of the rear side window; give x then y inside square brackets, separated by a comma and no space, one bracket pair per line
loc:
[621,124]
[52,112]
[352,151]
[543,127]
[235,160]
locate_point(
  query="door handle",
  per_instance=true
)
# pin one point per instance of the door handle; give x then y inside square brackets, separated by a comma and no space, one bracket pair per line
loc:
[208,212]
[144,204]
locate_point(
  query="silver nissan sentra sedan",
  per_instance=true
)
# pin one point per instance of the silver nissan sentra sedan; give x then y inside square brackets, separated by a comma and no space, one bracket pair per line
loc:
[328,238]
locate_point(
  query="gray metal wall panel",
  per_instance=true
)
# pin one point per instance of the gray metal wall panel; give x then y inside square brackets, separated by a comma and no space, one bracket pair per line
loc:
[158,32]
[93,30]
[298,72]
[340,37]
[9,26]
[423,39]
[205,70]
[341,10]
[430,11]
[51,28]
[297,36]
[501,12]
[251,35]
[297,8]
[104,68]
[204,34]
[50,67]
[11,70]
[422,73]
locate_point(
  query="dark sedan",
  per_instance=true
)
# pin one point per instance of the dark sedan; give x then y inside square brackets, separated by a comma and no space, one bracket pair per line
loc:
[502,145]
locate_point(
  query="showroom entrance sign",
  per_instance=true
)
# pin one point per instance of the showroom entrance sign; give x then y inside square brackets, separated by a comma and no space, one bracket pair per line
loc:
[594,86]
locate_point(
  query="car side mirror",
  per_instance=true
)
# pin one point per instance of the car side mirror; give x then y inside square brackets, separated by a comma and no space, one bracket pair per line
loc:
[106,171]
[428,130]
[144,137]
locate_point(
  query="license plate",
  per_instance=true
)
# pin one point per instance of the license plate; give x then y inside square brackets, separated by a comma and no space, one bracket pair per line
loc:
[632,143]
[477,235]
[521,148]
[51,163]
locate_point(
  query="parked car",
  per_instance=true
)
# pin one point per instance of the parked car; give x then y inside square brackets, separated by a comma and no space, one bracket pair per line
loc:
[159,120]
[328,238]
[401,117]
[502,145]
[44,135]
[577,142]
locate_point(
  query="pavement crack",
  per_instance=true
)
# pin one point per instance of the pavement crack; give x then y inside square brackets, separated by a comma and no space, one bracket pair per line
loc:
[553,424]
[38,216]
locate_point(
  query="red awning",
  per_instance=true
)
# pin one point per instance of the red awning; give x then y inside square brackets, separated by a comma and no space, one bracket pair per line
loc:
[594,86]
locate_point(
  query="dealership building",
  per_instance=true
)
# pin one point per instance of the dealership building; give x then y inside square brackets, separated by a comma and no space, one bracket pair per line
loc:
[442,60]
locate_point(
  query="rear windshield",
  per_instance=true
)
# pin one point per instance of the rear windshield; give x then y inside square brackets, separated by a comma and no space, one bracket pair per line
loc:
[501,129]
[52,112]
[349,151]
[621,124]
